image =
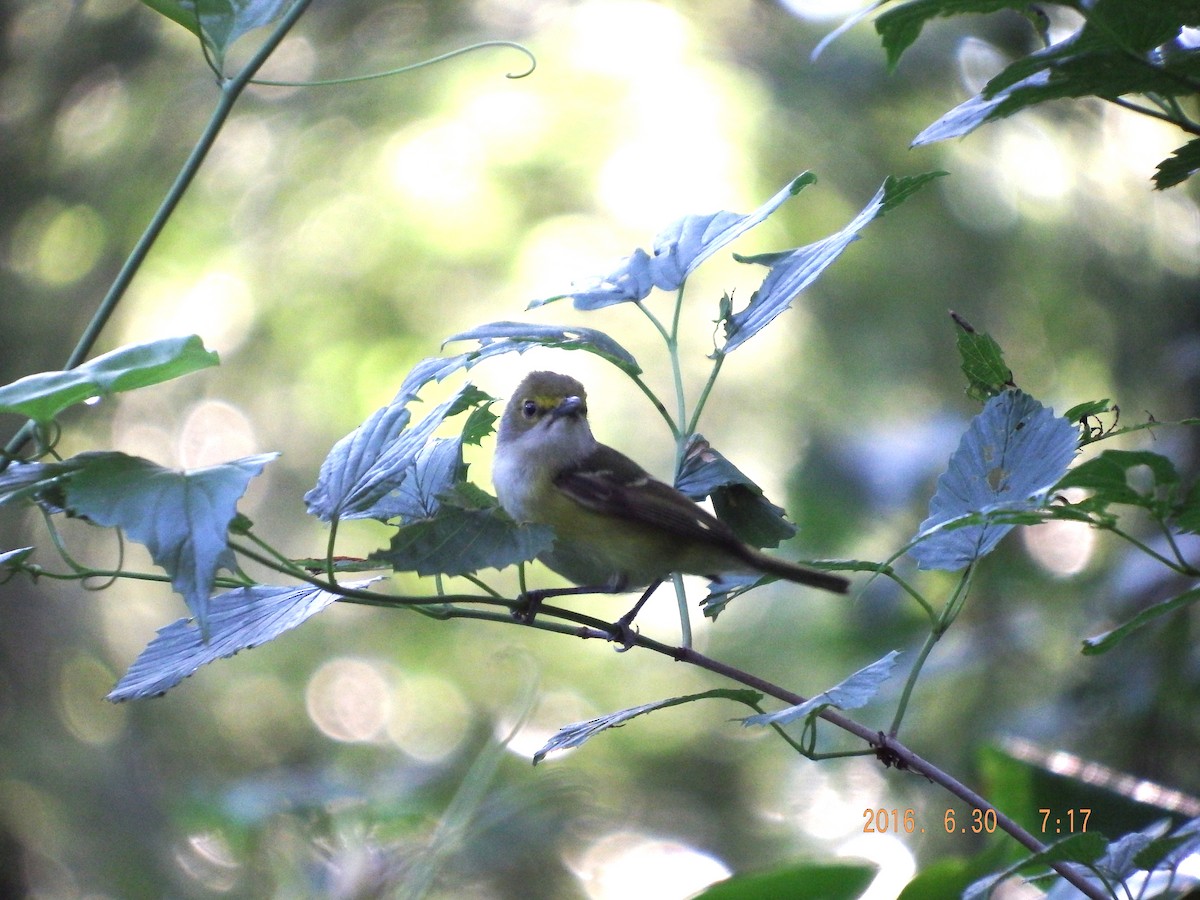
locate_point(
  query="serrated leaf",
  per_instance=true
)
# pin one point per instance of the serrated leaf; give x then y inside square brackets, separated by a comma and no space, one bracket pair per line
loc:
[1181,165]
[794,270]
[823,880]
[434,470]
[459,541]
[481,422]
[850,693]
[678,250]
[1118,861]
[1102,643]
[182,517]
[362,476]
[1088,409]
[33,481]
[507,337]
[726,588]
[897,190]
[737,500]
[43,396]
[1085,847]
[899,28]
[1013,453]
[982,363]
[978,110]
[238,620]
[1108,477]
[1186,514]
[577,734]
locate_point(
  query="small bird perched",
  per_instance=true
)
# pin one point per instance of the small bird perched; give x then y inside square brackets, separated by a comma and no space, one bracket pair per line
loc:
[616,527]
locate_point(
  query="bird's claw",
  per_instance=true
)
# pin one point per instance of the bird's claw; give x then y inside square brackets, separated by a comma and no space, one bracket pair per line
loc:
[527,609]
[625,635]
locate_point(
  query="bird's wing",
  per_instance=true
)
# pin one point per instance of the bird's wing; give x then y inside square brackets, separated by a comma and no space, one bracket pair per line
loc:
[611,483]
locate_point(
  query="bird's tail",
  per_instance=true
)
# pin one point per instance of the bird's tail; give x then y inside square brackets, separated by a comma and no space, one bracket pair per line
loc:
[781,568]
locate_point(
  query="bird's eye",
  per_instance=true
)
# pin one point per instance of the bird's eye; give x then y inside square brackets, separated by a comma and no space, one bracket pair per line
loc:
[529,409]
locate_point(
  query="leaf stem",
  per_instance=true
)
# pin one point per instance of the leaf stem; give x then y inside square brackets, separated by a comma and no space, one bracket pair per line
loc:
[718,361]
[1183,569]
[940,626]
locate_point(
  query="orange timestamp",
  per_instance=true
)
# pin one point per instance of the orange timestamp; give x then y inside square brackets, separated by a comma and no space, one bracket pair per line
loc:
[895,821]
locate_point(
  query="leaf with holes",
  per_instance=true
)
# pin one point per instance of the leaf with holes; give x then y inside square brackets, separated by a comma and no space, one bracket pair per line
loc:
[1015,451]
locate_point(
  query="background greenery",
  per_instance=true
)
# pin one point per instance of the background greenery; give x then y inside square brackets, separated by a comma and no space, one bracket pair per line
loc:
[337,235]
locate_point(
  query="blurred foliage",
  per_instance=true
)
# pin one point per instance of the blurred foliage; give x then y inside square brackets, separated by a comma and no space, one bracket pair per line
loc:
[336,235]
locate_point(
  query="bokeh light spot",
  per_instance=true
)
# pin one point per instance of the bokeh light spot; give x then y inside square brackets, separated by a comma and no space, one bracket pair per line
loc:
[215,432]
[94,115]
[430,717]
[57,244]
[219,306]
[349,700]
[83,681]
[208,859]
[627,865]
[1061,548]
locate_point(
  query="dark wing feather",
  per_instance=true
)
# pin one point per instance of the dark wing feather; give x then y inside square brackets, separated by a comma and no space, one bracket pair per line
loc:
[611,483]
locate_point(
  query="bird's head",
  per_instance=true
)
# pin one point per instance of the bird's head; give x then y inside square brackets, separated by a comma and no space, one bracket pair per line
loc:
[545,403]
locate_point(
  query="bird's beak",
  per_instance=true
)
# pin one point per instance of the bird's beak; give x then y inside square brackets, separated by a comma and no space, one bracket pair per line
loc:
[569,406]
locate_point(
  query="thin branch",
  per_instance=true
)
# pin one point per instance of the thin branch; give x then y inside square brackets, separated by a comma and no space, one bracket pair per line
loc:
[1182,124]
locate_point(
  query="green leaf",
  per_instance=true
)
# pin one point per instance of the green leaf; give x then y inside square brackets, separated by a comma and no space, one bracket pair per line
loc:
[10,559]
[1086,847]
[237,620]
[944,879]
[899,28]
[982,362]
[1102,643]
[507,337]
[972,113]
[181,517]
[220,22]
[1008,460]
[1124,47]
[826,881]
[458,541]
[737,501]
[1108,477]
[180,11]
[39,482]
[364,474]
[43,396]
[851,693]
[580,732]
[726,588]
[677,251]
[1087,410]
[1181,165]
[897,190]
[791,271]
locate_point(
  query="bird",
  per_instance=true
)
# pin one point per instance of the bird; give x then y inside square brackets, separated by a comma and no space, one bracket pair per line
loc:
[616,527]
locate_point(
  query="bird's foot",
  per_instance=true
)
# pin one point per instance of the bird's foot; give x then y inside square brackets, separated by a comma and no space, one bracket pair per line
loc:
[623,633]
[527,607]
